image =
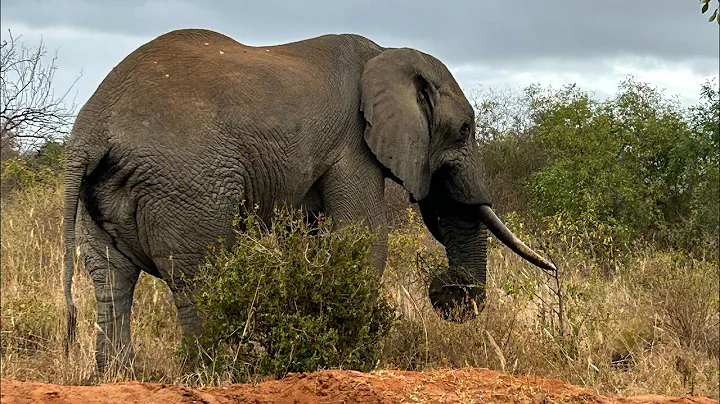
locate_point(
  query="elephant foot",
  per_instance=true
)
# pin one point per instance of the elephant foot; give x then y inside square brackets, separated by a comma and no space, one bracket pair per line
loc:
[113,361]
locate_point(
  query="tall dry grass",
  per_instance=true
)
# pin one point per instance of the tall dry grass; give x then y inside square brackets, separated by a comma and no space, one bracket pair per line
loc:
[651,328]
[33,304]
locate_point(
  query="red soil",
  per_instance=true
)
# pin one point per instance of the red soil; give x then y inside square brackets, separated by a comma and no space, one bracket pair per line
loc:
[452,386]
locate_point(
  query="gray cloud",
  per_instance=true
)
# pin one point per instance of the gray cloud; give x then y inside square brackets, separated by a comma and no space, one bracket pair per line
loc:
[457,31]
[484,42]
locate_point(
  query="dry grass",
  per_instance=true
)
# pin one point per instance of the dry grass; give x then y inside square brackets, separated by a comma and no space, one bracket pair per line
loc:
[33,305]
[652,328]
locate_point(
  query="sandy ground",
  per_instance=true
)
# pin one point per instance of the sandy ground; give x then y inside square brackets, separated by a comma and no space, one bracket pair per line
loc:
[453,386]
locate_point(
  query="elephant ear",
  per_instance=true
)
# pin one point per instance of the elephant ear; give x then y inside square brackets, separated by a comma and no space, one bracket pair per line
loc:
[398,96]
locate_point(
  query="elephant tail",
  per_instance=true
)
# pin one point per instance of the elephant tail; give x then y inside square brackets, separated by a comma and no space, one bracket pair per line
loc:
[74,174]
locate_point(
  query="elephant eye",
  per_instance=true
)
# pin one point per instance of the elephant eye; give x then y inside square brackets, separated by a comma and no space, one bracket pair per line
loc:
[465,130]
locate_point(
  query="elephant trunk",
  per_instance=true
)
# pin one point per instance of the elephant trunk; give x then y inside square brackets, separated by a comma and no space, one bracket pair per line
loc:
[457,293]
[457,212]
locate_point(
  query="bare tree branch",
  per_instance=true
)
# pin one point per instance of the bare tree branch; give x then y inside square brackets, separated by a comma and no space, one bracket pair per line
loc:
[31,113]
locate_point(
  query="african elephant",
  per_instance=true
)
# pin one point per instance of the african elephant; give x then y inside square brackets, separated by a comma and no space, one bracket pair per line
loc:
[192,123]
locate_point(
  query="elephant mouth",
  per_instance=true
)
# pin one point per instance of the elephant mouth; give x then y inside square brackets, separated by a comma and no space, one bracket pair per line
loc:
[485,215]
[457,292]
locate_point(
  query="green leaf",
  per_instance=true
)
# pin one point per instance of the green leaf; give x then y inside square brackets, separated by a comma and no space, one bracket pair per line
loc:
[714,14]
[704,8]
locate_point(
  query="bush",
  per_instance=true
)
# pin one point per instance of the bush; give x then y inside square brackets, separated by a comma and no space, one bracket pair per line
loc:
[39,167]
[510,151]
[634,161]
[638,162]
[292,299]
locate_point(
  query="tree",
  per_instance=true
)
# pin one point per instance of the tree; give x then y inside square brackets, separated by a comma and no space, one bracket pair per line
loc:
[637,163]
[706,7]
[510,152]
[31,113]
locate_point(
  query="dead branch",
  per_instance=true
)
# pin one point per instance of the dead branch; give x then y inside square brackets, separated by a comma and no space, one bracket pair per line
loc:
[31,113]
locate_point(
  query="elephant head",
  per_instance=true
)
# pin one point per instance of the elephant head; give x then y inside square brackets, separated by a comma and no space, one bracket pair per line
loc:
[420,127]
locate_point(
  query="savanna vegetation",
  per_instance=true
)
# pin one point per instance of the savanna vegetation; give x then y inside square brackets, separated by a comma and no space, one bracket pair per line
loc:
[621,193]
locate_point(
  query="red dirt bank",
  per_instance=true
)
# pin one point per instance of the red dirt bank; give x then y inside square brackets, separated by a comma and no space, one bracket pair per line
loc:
[454,386]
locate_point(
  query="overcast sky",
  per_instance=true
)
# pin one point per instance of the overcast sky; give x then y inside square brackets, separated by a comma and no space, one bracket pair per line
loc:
[593,43]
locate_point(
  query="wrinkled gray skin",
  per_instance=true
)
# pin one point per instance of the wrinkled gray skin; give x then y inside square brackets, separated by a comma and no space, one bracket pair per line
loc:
[193,122]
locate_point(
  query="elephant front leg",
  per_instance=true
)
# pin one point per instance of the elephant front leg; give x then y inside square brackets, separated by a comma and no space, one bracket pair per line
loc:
[354,191]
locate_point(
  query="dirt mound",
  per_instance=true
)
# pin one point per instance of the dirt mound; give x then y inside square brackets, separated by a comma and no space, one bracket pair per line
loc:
[453,386]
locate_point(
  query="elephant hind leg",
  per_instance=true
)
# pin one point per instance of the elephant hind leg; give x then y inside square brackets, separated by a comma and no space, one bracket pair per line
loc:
[177,273]
[114,294]
[114,278]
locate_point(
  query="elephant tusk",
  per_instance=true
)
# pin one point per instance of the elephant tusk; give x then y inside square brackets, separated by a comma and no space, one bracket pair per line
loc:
[504,234]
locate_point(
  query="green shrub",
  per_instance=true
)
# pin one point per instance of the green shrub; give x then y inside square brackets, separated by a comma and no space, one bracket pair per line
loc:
[39,167]
[638,162]
[292,299]
[510,152]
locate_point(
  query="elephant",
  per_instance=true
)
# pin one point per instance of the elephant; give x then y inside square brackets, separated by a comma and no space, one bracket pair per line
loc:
[192,124]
